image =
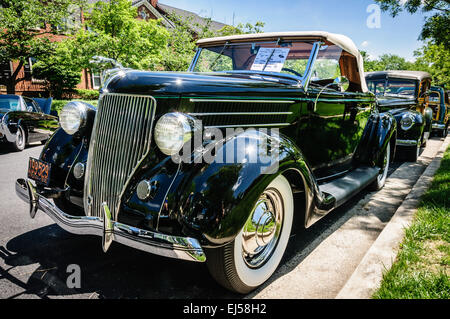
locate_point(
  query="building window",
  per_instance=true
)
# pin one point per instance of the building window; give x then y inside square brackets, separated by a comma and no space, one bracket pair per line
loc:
[5,71]
[97,79]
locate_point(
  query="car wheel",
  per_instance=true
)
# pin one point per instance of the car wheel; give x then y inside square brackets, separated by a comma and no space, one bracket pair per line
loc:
[412,153]
[444,132]
[382,175]
[21,140]
[254,255]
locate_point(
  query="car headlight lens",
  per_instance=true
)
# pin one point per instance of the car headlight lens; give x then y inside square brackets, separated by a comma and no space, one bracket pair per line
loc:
[172,131]
[73,117]
[407,121]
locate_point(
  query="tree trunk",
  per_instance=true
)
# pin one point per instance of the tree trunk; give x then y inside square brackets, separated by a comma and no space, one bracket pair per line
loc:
[11,84]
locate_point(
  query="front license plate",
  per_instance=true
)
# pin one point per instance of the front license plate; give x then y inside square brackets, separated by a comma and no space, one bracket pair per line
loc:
[39,171]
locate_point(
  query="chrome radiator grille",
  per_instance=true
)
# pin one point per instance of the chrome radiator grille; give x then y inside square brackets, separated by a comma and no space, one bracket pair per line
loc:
[120,140]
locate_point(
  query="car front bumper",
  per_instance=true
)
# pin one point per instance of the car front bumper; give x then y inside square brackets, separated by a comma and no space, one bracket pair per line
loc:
[153,242]
[437,126]
[407,143]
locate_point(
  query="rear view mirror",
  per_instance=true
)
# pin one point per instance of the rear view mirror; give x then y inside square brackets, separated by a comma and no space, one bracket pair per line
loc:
[342,82]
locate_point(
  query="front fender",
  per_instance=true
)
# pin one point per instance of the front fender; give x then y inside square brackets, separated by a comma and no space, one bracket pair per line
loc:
[213,201]
[381,129]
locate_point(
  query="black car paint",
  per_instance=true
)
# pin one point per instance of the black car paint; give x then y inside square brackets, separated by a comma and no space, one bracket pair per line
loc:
[178,210]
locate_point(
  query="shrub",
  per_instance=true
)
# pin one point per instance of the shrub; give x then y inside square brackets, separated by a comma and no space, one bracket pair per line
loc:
[87,94]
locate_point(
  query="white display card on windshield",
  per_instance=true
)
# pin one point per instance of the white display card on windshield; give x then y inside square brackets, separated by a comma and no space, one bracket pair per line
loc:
[270,59]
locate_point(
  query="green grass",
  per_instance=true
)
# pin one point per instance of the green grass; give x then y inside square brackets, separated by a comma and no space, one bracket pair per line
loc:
[421,270]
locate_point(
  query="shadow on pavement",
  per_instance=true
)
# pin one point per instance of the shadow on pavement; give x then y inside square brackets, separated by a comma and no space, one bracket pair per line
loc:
[121,273]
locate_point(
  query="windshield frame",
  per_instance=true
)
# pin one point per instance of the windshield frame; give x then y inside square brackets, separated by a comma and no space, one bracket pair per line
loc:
[303,81]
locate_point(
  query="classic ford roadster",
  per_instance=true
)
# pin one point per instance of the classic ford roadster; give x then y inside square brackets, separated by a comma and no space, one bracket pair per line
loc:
[216,164]
[405,95]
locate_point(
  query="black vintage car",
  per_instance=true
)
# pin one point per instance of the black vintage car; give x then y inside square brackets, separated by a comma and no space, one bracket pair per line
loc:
[405,95]
[22,121]
[439,103]
[216,164]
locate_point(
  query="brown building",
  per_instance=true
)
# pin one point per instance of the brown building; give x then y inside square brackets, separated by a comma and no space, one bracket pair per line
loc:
[147,9]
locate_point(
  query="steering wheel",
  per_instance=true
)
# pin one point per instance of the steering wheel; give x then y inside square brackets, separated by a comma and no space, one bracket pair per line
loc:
[292,71]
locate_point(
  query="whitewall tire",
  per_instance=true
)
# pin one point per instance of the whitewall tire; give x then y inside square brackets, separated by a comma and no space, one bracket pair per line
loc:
[254,255]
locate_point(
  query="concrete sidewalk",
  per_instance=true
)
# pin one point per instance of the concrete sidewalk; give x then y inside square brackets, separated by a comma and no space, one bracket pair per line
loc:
[323,267]
[380,257]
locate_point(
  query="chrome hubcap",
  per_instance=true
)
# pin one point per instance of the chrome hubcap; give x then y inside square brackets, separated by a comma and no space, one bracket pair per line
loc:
[19,137]
[262,230]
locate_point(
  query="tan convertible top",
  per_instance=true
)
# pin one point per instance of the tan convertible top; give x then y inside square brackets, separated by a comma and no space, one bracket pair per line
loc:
[340,40]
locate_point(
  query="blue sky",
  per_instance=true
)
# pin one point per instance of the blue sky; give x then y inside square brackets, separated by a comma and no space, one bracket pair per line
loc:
[348,17]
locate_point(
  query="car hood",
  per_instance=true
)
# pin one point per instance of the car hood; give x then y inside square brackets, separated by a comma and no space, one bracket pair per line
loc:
[178,83]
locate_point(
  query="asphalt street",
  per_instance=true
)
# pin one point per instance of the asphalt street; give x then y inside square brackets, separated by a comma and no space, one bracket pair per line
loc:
[35,253]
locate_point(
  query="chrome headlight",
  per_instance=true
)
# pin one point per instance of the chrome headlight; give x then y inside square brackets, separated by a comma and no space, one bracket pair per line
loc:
[407,121]
[73,116]
[172,131]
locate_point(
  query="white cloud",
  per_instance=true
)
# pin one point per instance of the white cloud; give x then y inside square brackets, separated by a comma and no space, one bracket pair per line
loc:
[365,44]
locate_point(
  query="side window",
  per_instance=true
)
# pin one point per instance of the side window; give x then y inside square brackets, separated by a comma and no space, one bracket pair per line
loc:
[97,80]
[31,105]
[327,65]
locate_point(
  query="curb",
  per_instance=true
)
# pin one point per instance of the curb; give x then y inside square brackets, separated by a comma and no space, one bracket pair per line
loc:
[381,255]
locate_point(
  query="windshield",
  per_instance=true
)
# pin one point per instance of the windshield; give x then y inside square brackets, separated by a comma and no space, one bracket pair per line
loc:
[287,57]
[9,103]
[393,87]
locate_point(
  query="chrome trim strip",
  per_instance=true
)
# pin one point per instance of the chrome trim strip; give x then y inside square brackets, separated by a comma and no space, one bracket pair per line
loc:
[153,242]
[240,113]
[248,125]
[242,101]
[406,142]
[309,66]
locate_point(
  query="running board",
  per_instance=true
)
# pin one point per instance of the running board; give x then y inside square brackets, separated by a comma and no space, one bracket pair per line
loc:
[342,189]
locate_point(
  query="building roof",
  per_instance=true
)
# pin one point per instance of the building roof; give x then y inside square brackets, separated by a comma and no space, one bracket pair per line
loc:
[402,74]
[196,19]
[340,40]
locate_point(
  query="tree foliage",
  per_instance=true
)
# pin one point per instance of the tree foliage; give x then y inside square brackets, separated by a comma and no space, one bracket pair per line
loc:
[58,70]
[436,26]
[112,30]
[23,31]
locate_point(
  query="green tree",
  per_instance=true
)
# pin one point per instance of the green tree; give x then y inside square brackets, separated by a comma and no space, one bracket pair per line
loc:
[435,59]
[112,30]
[58,70]
[436,26]
[24,26]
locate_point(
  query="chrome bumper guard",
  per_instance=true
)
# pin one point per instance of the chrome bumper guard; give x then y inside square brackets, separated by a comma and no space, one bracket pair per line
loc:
[148,241]
[437,126]
[407,142]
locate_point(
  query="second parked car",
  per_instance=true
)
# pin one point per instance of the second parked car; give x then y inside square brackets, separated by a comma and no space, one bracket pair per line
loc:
[404,94]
